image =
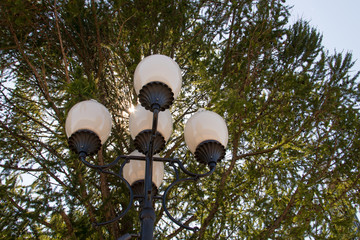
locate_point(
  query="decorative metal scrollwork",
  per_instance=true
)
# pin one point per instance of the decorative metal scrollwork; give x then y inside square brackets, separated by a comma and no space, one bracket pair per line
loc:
[102,169]
[173,162]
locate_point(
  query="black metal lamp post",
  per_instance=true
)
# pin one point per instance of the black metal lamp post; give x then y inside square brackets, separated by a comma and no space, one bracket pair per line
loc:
[157,80]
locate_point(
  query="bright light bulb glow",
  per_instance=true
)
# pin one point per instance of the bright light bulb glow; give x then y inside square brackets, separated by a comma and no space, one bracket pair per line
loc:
[131,109]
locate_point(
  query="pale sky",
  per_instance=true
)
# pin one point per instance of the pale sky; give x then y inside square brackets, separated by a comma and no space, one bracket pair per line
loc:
[337,20]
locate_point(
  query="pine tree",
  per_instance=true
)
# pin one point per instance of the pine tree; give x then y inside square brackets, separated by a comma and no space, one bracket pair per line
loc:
[291,169]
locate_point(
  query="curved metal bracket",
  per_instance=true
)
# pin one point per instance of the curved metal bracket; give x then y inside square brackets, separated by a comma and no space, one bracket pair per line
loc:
[194,177]
[175,163]
[102,168]
[82,156]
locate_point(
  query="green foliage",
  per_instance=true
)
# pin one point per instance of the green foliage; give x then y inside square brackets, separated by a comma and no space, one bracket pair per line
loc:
[292,108]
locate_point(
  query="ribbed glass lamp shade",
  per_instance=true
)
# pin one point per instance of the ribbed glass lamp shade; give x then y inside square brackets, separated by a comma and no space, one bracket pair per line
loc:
[141,119]
[135,170]
[204,126]
[89,115]
[158,68]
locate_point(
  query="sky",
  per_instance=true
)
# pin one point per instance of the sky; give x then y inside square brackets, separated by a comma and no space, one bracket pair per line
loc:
[337,20]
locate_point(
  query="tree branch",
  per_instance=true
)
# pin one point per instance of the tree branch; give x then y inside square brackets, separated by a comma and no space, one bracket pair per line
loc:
[191,219]
[61,43]
[41,82]
[68,224]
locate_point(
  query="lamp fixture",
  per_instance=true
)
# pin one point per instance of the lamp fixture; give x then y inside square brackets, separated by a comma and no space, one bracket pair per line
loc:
[157,81]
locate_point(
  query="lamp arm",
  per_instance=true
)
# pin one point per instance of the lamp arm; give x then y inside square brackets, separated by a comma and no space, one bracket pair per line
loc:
[166,209]
[172,161]
[101,168]
[194,177]
[82,157]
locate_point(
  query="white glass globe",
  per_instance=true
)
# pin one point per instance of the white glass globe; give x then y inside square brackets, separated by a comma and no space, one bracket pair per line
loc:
[158,68]
[89,115]
[141,119]
[135,170]
[205,125]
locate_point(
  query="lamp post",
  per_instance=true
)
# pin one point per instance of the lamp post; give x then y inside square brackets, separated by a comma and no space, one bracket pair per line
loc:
[157,81]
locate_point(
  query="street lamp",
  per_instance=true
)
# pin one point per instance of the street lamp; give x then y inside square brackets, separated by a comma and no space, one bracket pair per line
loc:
[157,81]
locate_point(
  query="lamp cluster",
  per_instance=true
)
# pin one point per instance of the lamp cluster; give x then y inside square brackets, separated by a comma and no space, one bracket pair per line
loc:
[157,81]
